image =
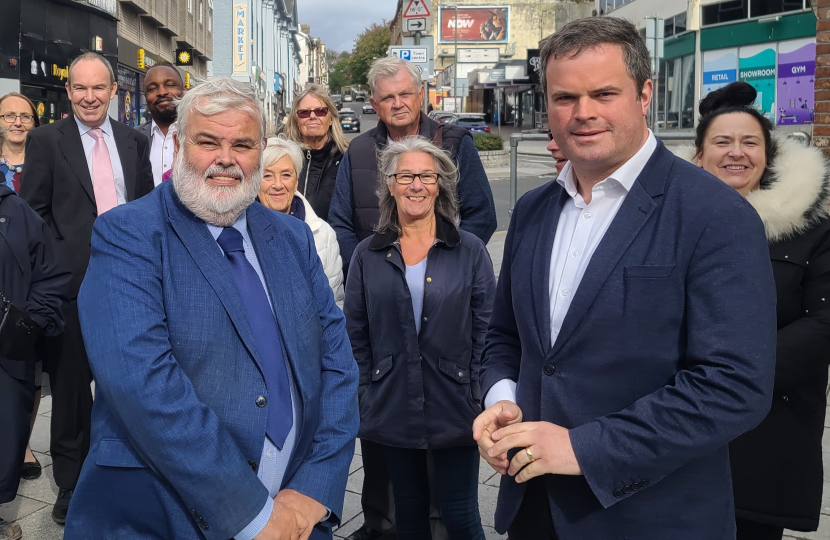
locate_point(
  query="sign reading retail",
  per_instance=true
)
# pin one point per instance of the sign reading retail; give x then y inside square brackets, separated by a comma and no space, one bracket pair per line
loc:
[184,57]
[240,38]
[416,8]
[480,23]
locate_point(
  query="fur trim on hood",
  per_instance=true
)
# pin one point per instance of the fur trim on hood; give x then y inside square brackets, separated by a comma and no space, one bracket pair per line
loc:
[795,190]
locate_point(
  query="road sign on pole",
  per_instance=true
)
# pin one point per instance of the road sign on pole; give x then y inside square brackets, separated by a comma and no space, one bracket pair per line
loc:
[421,55]
[416,8]
[420,24]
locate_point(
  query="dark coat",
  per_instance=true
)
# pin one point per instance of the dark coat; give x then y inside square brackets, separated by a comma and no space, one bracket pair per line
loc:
[777,467]
[31,275]
[57,185]
[666,354]
[419,390]
[316,181]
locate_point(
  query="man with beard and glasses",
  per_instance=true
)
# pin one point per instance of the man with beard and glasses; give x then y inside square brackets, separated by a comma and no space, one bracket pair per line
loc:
[162,85]
[214,339]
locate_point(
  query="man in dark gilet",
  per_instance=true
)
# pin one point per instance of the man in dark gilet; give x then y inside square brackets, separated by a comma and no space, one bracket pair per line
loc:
[397,96]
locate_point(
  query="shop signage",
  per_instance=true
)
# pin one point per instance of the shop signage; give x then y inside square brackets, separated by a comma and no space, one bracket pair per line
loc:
[184,57]
[187,82]
[240,38]
[796,67]
[44,69]
[478,56]
[61,72]
[497,75]
[145,61]
[485,23]
[97,43]
[534,66]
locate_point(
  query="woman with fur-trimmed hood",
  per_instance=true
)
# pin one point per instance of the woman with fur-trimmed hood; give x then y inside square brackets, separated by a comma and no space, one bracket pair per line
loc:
[777,467]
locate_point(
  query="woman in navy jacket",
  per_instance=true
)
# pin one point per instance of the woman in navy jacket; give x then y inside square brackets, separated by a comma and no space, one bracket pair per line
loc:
[418,300]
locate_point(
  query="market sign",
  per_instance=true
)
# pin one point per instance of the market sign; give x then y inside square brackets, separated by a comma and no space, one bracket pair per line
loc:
[240,38]
[482,23]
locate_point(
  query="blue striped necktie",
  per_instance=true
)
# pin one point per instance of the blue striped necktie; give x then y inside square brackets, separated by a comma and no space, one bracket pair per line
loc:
[264,328]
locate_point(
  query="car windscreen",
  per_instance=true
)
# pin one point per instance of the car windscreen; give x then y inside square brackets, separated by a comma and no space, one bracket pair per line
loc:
[347,116]
[471,122]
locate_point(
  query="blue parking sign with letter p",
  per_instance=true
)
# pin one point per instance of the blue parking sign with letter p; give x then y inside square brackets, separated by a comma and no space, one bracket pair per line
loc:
[404,54]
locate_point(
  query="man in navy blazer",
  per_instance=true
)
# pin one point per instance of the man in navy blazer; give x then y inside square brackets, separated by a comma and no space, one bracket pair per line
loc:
[213,419]
[633,331]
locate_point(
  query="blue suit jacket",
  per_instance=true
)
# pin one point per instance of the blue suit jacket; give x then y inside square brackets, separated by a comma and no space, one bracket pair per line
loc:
[176,432]
[666,354]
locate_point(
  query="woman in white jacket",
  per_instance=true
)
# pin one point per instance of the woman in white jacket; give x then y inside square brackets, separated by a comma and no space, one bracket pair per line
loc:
[282,162]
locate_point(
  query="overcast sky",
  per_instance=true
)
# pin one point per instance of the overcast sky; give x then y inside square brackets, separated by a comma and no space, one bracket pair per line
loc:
[338,22]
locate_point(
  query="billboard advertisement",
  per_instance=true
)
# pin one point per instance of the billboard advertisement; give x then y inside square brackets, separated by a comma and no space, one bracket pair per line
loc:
[756,65]
[479,24]
[719,69]
[796,66]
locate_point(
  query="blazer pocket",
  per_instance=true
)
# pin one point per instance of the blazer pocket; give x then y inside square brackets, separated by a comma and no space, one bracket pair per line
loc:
[381,368]
[454,371]
[118,453]
[648,271]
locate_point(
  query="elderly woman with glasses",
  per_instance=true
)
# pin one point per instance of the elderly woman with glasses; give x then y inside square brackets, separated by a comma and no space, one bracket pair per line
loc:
[18,116]
[418,300]
[314,124]
[281,162]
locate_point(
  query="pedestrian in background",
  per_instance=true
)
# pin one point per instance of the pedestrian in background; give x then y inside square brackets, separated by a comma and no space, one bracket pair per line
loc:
[777,467]
[281,161]
[18,117]
[76,169]
[418,298]
[33,281]
[314,124]
[162,86]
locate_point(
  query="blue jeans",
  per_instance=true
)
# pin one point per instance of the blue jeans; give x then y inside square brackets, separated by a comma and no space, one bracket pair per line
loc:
[456,478]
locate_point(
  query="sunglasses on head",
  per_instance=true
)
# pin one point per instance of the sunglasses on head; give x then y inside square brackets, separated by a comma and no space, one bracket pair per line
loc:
[319,113]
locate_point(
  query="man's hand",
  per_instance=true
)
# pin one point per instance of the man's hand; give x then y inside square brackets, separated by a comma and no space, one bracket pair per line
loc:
[285,523]
[502,414]
[312,511]
[549,444]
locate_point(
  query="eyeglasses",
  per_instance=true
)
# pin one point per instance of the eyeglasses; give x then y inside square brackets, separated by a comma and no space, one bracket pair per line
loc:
[24,118]
[427,178]
[319,113]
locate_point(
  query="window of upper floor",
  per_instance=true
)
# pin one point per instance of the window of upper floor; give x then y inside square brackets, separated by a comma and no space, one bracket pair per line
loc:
[737,10]
[201,8]
[190,6]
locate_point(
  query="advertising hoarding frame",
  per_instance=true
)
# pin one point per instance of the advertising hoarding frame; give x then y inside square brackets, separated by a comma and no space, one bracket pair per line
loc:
[476,13]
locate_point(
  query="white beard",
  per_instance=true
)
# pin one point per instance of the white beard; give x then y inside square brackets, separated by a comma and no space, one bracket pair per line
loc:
[217,205]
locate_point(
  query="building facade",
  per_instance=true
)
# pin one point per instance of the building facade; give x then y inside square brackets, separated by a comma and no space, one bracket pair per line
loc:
[314,67]
[771,44]
[256,42]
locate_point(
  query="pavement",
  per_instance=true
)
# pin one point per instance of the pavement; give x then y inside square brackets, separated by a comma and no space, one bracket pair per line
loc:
[33,505]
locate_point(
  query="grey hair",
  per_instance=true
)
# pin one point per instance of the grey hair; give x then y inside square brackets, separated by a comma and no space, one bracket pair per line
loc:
[388,66]
[582,34]
[279,147]
[216,96]
[446,205]
[92,56]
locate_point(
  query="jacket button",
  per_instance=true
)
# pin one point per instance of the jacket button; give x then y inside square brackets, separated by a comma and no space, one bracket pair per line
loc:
[253,465]
[421,358]
[261,401]
[388,255]
[460,373]
[425,319]
[429,280]
[635,486]
[203,525]
[626,490]
[643,483]
[549,369]
[617,493]
[2,220]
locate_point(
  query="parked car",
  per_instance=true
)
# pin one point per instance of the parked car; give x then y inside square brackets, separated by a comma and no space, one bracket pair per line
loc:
[338,101]
[347,97]
[349,121]
[442,117]
[474,123]
[368,109]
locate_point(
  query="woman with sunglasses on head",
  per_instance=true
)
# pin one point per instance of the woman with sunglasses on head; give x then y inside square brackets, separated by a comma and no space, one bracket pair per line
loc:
[18,116]
[314,124]
[777,467]
[418,299]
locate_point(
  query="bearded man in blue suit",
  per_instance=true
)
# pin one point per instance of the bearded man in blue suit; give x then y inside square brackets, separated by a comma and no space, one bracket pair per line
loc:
[226,391]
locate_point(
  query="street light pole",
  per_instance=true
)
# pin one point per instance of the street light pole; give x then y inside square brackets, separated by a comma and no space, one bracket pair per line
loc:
[455,67]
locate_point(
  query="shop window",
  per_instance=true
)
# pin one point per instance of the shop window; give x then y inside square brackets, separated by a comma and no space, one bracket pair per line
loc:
[676,93]
[734,10]
[761,8]
[687,114]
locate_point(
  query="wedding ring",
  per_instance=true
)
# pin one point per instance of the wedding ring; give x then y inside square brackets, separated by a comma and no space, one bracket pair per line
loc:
[529,454]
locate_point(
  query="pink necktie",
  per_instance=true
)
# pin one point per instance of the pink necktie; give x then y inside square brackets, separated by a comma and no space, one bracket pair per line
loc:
[103,181]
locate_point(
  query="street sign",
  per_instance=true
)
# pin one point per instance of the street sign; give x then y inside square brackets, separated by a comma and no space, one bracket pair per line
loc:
[420,24]
[416,8]
[414,55]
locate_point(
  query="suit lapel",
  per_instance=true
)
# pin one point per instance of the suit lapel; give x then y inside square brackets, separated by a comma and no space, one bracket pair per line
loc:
[73,151]
[541,266]
[127,152]
[207,255]
[635,211]
[273,254]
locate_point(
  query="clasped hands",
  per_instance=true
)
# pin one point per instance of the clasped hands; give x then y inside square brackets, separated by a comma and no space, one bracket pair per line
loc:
[293,517]
[500,428]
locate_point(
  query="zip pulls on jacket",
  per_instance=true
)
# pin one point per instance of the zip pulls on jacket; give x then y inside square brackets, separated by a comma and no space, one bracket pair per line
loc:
[307,170]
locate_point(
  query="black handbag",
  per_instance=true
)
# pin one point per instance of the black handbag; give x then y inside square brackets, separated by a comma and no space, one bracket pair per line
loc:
[18,333]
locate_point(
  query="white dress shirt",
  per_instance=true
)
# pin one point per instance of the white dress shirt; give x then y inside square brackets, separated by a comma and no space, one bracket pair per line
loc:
[161,151]
[117,171]
[580,230]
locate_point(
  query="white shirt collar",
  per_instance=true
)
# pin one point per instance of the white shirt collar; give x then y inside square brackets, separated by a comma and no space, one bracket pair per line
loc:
[106,127]
[156,129]
[624,176]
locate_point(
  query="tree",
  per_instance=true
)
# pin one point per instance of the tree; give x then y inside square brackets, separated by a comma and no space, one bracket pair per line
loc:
[372,43]
[340,73]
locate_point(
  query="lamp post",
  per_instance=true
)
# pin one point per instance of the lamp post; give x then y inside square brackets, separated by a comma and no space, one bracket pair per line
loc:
[455,65]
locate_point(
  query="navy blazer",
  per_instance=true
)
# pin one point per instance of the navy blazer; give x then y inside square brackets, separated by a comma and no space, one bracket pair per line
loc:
[666,354]
[176,430]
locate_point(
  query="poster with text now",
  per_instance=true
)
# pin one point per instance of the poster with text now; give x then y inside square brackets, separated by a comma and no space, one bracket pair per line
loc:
[488,24]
